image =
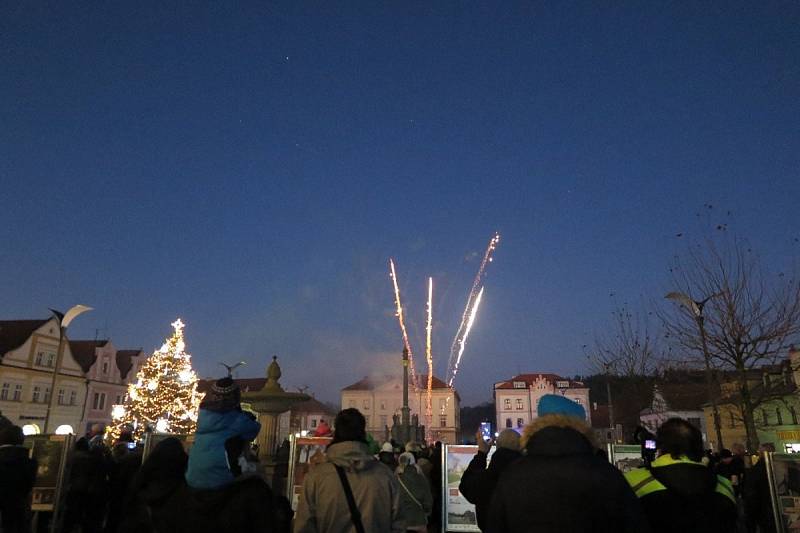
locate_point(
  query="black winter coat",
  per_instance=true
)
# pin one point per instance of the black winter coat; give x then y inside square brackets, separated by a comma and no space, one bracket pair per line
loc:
[17,475]
[563,486]
[478,482]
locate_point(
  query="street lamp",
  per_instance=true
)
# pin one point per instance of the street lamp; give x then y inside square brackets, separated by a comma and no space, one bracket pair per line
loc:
[64,321]
[696,307]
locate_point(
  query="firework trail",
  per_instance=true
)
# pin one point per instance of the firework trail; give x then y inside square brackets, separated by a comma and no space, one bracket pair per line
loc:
[402,322]
[456,349]
[429,353]
[463,341]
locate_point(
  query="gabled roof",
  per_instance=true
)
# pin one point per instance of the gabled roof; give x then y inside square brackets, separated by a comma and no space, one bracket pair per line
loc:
[124,362]
[530,379]
[85,352]
[313,406]
[14,333]
[373,382]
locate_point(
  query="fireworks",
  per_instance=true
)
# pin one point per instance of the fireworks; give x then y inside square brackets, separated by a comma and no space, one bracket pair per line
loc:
[462,343]
[402,322]
[464,328]
[429,353]
[457,348]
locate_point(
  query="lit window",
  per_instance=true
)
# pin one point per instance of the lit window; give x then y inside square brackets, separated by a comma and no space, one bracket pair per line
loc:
[31,429]
[507,403]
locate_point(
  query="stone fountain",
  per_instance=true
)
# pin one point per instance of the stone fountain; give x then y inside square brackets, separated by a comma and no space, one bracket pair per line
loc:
[269,403]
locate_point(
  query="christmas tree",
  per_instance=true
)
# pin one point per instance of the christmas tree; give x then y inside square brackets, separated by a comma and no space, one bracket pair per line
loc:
[164,397]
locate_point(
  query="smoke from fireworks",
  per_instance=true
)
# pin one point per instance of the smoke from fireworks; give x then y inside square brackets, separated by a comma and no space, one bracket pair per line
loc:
[401,320]
[463,342]
[457,348]
[429,353]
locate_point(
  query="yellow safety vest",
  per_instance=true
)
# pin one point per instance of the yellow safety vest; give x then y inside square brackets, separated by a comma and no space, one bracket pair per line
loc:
[643,483]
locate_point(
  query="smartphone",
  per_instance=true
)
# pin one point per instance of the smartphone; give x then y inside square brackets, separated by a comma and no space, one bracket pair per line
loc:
[131,445]
[486,431]
[650,444]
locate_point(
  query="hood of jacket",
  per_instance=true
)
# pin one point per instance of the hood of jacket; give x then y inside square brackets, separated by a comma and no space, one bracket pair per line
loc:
[352,455]
[683,476]
[557,441]
[214,422]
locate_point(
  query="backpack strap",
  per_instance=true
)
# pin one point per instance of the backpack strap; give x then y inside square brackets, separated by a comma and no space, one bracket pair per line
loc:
[409,493]
[355,514]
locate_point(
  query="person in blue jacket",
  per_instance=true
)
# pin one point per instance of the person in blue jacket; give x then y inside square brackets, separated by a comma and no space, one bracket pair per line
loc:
[220,424]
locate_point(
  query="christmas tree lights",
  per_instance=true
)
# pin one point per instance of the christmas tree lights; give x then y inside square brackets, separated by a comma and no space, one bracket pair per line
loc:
[164,397]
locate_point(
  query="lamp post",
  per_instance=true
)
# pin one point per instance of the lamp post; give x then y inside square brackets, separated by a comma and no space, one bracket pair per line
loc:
[64,321]
[697,310]
[607,368]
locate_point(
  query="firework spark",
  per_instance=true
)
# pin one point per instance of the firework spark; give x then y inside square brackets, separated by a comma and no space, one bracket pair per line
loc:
[463,341]
[456,349]
[429,353]
[401,320]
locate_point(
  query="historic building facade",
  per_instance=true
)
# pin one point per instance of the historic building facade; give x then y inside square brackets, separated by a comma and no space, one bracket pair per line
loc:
[29,359]
[517,399]
[380,397]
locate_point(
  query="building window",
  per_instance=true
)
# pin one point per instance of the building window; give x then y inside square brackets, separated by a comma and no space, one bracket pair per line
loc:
[365,403]
[519,404]
[105,366]
[51,357]
[442,421]
[313,422]
[47,395]
[60,396]
[99,401]
[4,391]
[39,358]
[508,423]
[779,416]
[17,392]
[764,418]
[366,420]
[793,413]
[383,405]
[37,393]
[520,422]
[384,421]
[507,404]
[442,405]
[519,385]
[72,395]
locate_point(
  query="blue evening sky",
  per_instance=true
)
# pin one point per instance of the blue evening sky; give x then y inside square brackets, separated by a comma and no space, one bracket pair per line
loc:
[251,166]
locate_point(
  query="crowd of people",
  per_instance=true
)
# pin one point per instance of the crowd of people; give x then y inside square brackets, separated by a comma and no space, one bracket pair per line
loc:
[551,478]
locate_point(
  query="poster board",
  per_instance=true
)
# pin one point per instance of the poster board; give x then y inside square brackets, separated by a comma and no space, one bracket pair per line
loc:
[783,471]
[625,457]
[304,452]
[457,513]
[51,453]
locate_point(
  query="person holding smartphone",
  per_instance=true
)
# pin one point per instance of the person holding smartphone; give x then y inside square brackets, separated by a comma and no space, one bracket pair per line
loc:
[479,481]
